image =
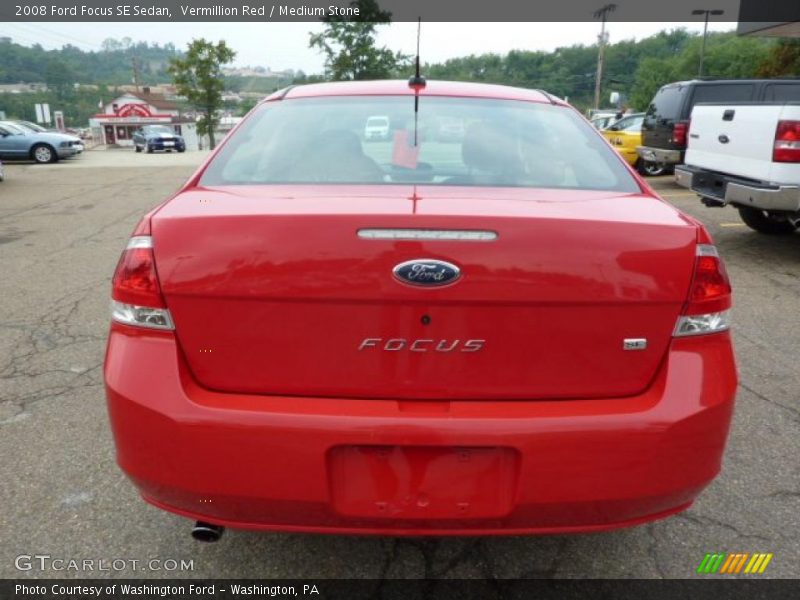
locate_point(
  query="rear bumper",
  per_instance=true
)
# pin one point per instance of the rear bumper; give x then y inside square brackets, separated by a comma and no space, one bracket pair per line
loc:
[661,156]
[727,189]
[314,464]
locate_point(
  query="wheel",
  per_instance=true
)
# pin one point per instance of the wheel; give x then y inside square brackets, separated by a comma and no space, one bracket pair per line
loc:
[764,221]
[138,149]
[651,169]
[42,153]
[181,149]
[149,149]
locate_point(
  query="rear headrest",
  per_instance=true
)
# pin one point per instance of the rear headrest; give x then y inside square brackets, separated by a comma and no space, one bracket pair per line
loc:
[338,141]
[488,148]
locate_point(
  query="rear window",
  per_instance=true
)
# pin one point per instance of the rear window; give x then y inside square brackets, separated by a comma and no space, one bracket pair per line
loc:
[629,124]
[783,92]
[666,104]
[497,143]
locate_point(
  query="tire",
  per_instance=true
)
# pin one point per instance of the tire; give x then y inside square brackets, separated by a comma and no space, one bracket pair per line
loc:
[181,149]
[651,169]
[138,149]
[150,150]
[43,154]
[771,223]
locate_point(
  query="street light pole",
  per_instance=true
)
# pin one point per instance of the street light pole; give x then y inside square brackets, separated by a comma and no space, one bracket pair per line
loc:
[706,12]
[601,13]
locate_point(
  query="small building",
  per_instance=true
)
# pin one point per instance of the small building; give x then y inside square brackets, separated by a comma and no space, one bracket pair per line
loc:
[126,113]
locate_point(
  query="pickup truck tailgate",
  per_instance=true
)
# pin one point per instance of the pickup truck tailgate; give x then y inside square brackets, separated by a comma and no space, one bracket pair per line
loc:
[738,139]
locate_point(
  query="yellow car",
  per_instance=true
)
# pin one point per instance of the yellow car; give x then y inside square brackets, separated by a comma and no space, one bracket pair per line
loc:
[625,135]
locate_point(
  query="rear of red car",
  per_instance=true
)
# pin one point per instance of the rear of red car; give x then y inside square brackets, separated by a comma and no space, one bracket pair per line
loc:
[495,333]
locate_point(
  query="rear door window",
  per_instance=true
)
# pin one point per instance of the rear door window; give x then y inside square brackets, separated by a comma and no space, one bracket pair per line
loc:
[782,92]
[723,92]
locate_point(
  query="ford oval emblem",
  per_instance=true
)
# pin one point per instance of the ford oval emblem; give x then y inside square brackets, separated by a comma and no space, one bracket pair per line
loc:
[427,272]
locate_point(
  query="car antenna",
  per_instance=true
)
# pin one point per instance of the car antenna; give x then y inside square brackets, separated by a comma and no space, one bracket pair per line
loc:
[417,83]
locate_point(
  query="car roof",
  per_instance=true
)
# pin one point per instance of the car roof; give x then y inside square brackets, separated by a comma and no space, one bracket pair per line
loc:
[401,88]
[712,81]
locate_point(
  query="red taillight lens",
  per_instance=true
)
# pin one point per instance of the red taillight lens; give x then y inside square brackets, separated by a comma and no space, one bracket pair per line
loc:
[135,280]
[787,142]
[679,133]
[711,289]
[709,297]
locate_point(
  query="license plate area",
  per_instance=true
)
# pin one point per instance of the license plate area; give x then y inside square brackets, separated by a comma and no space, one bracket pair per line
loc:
[423,482]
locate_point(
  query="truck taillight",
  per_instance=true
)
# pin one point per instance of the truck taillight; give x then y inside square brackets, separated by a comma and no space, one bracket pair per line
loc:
[680,132]
[787,142]
[707,308]
[135,291]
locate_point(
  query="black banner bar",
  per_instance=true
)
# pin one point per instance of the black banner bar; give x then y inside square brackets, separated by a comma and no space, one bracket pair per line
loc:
[752,11]
[712,588]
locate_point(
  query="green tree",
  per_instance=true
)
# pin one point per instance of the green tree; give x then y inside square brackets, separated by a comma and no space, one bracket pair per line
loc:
[349,45]
[783,60]
[59,77]
[198,76]
[651,74]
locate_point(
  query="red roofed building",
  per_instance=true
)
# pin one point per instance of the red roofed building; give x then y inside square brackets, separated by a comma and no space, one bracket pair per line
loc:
[125,114]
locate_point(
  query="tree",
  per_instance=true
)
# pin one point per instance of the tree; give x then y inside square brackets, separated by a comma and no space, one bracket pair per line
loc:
[349,45]
[198,76]
[59,77]
[651,74]
[783,60]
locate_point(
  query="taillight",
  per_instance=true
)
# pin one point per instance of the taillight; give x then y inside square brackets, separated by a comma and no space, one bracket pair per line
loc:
[680,132]
[707,308]
[135,291]
[787,142]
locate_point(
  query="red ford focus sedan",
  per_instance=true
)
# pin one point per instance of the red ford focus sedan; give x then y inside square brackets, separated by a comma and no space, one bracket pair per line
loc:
[481,322]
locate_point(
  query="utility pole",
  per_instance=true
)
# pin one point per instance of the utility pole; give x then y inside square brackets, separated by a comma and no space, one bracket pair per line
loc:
[706,12]
[602,14]
[135,64]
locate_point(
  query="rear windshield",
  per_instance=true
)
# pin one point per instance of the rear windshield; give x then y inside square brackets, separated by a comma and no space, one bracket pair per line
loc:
[495,143]
[666,104]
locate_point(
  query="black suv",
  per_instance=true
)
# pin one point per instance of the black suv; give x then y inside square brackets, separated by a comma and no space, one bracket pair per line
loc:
[665,129]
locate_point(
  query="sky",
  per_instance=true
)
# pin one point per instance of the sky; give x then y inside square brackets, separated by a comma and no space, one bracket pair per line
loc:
[285,45]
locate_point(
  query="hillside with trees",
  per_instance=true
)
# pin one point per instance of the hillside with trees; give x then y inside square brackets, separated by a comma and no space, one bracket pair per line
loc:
[634,68]
[112,65]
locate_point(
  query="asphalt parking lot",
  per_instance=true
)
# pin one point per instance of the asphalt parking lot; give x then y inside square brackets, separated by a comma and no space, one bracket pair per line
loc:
[62,228]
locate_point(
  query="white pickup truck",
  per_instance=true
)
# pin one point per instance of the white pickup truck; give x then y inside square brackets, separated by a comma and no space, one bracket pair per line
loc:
[747,155]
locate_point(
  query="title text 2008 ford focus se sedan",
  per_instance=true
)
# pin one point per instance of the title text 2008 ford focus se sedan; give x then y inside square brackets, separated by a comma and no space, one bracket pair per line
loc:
[485,323]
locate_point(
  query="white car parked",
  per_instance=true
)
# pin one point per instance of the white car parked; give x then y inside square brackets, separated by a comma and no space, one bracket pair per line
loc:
[377,128]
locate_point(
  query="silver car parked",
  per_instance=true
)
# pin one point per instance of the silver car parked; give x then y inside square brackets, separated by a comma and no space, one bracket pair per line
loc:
[22,144]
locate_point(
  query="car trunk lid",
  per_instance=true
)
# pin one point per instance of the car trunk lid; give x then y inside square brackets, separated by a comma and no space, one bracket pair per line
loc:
[273,291]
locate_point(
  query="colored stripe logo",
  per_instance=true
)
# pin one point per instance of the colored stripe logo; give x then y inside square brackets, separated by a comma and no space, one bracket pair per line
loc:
[734,563]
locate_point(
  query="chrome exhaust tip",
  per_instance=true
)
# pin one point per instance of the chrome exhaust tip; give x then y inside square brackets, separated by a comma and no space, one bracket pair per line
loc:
[206,532]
